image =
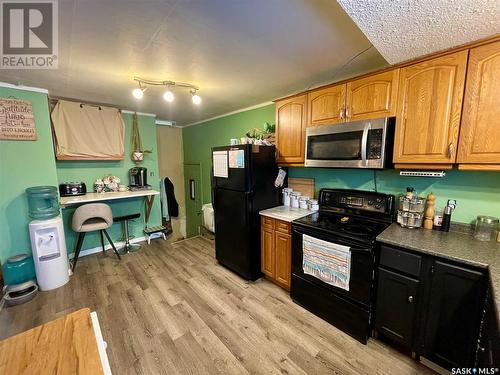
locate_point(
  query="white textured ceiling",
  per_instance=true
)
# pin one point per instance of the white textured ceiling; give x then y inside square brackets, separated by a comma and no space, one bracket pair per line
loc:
[239,52]
[405,29]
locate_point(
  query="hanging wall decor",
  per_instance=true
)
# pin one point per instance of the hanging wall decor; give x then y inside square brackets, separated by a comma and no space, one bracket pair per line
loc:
[16,120]
[137,148]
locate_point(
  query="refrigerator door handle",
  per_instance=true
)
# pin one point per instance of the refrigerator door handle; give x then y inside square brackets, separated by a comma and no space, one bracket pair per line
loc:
[249,199]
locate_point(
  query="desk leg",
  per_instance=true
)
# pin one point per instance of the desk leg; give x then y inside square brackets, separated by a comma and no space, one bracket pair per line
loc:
[148,205]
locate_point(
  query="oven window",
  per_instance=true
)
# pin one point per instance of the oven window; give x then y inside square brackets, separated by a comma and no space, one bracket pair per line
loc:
[337,146]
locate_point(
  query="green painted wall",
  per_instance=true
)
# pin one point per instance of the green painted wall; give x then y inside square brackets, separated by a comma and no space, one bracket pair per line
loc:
[30,163]
[476,192]
[199,139]
[89,171]
[23,164]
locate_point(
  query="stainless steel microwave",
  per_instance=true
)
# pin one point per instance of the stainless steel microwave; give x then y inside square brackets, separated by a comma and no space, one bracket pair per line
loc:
[357,144]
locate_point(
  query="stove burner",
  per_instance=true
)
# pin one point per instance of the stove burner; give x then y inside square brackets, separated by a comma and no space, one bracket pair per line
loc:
[350,226]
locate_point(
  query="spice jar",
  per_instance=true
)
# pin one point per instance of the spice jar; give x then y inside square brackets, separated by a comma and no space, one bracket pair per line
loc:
[485,228]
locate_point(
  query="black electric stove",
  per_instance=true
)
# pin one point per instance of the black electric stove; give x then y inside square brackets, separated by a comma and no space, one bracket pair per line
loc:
[346,226]
[353,219]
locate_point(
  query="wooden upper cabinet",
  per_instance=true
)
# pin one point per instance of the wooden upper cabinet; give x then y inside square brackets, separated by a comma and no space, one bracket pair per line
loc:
[290,129]
[326,106]
[480,130]
[372,97]
[428,111]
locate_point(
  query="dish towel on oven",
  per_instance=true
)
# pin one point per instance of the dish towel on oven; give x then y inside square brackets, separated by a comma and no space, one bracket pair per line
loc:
[327,261]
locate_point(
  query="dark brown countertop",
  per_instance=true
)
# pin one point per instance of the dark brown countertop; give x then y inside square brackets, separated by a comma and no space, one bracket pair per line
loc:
[455,246]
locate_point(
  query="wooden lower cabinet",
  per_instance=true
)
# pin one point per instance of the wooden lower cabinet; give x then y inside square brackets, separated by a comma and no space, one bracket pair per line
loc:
[276,251]
[283,259]
[267,251]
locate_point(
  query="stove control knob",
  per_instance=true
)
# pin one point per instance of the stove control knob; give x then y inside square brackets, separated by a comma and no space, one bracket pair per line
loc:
[370,203]
[378,206]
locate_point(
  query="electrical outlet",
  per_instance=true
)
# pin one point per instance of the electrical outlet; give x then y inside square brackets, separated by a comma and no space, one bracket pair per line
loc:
[151,174]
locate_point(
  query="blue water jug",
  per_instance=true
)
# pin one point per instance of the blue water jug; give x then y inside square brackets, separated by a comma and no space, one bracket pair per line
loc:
[18,269]
[43,202]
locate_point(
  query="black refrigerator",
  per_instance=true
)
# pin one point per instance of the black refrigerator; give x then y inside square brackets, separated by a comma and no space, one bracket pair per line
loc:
[237,200]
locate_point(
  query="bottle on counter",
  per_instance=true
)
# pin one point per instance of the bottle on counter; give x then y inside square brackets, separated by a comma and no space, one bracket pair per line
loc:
[448,210]
[429,211]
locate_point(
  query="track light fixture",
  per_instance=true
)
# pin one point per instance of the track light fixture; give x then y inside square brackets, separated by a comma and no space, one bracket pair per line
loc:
[138,92]
[168,95]
[195,97]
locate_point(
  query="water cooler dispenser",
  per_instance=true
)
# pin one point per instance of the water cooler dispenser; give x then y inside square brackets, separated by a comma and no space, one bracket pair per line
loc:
[47,238]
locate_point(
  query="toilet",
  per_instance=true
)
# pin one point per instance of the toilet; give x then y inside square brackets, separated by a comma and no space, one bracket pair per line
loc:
[208,217]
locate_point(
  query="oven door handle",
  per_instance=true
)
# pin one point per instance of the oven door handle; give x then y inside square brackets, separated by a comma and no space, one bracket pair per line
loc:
[364,143]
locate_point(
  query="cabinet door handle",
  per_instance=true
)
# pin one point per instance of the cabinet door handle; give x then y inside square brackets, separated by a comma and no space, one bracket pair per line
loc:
[341,114]
[347,112]
[450,150]
[410,299]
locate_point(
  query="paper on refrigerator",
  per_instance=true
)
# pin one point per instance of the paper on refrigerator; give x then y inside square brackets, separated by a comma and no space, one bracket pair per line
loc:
[237,159]
[220,164]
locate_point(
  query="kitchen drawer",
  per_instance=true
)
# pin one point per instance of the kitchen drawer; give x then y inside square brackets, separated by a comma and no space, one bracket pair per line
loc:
[267,222]
[283,227]
[401,261]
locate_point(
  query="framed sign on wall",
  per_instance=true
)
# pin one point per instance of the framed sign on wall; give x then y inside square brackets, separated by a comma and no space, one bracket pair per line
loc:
[16,120]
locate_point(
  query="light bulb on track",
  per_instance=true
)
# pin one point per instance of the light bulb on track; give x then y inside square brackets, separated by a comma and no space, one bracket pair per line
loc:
[196,99]
[138,93]
[168,96]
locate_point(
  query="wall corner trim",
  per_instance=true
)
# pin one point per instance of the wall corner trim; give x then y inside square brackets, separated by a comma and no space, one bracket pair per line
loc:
[168,123]
[25,88]
[228,114]
[139,113]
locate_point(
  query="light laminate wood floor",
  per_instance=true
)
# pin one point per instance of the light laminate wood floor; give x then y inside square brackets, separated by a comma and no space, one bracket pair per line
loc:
[171,309]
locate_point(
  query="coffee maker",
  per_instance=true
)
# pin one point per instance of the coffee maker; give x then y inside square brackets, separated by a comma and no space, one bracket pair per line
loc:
[139,178]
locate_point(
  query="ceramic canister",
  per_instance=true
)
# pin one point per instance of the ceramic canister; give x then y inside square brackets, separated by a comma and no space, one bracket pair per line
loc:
[286,196]
[294,199]
[303,202]
[313,205]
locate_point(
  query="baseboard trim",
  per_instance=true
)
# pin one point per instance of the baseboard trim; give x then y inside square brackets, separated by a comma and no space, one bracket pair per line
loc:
[98,249]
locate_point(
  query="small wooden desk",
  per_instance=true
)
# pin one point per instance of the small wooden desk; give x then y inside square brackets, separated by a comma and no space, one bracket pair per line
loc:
[148,195]
[71,344]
